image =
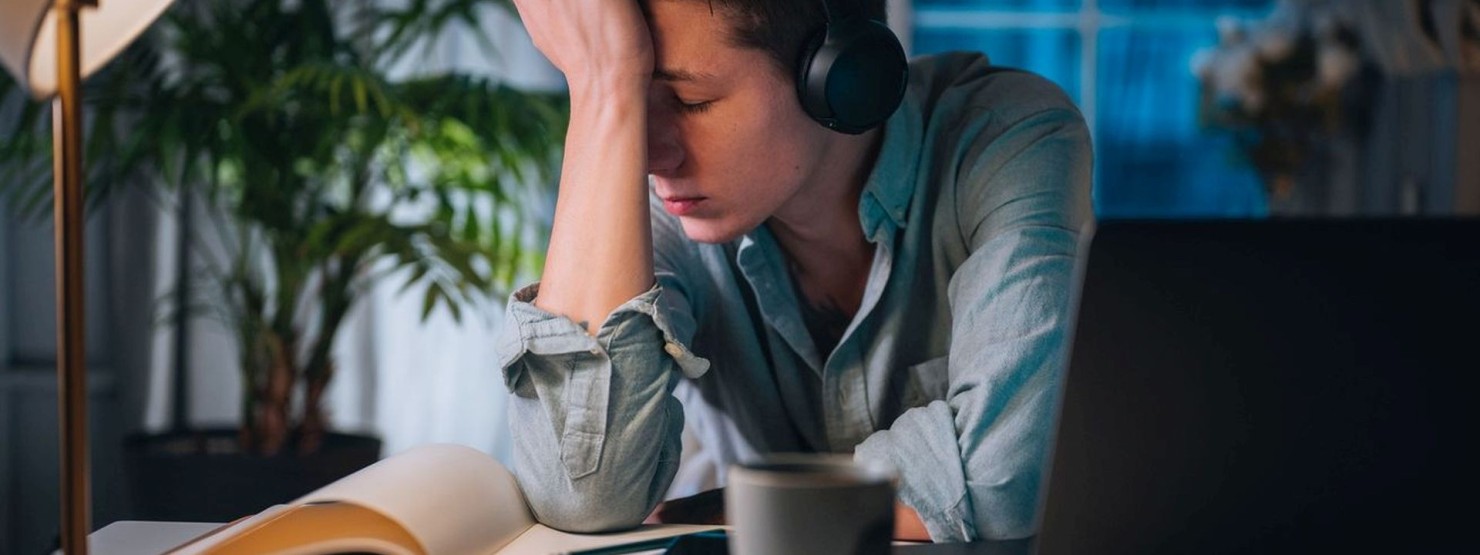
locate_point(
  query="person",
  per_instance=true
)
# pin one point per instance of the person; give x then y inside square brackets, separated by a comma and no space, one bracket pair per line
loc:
[721,262]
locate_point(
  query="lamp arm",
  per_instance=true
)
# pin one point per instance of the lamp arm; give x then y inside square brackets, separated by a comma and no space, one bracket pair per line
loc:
[68,220]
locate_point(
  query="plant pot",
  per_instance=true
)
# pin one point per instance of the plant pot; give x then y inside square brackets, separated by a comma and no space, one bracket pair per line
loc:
[204,476]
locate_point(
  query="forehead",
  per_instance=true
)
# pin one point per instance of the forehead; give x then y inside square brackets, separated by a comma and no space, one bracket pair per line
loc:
[692,38]
[717,19]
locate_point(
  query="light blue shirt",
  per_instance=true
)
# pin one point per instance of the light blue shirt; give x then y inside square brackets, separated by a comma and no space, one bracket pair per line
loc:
[948,372]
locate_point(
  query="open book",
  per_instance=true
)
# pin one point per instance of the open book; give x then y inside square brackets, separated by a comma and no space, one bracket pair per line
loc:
[434,499]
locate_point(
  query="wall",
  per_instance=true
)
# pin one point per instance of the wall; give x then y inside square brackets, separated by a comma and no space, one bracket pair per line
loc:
[116,319]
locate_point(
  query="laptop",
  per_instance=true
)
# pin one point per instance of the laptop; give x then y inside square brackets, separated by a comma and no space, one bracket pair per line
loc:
[1270,386]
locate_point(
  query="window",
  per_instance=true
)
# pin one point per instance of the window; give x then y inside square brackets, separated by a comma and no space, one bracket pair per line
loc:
[1126,63]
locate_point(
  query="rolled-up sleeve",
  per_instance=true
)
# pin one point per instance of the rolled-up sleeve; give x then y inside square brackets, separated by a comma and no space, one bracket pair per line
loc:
[596,428]
[973,465]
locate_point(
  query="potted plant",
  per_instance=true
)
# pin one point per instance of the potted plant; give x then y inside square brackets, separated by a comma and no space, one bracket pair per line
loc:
[325,174]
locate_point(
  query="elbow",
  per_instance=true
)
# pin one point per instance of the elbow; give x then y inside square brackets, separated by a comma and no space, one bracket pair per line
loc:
[1005,509]
[619,496]
[588,514]
[593,503]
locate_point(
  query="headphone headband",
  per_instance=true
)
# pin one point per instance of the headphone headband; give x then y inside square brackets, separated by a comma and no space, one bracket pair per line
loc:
[828,9]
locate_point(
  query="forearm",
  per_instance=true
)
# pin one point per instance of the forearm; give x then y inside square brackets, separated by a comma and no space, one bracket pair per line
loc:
[600,253]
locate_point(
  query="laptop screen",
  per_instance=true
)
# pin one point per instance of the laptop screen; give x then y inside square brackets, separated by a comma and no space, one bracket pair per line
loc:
[1269,386]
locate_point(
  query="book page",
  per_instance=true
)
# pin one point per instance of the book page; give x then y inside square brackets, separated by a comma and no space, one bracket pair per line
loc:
[439,499]
[208,542]
[454,499]
[543,540]
[313,529]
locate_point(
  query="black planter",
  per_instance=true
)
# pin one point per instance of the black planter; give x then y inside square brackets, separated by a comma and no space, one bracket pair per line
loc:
[203,476]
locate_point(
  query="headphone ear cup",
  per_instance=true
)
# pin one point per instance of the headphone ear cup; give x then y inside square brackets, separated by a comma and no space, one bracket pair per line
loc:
[853,75]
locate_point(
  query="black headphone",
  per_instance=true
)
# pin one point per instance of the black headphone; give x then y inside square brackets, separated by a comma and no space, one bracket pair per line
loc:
[852,73]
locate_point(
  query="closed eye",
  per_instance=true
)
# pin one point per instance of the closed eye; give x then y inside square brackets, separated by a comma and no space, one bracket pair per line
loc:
[694,107]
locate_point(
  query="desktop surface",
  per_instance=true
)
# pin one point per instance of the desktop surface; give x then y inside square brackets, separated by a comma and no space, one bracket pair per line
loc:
[132,537]
[1273,386]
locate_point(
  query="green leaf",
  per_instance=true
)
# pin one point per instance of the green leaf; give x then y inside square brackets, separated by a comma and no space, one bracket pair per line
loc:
[456,309]
[361,103]
[415,277]
[433,294]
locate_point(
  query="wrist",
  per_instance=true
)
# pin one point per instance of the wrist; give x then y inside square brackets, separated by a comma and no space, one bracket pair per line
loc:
[608,85]
[614,103]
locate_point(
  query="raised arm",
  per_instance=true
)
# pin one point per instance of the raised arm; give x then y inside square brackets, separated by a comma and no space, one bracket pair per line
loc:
[592,353]
[600,253]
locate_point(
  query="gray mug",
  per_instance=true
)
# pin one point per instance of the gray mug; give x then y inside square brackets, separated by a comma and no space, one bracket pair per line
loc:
[809,504]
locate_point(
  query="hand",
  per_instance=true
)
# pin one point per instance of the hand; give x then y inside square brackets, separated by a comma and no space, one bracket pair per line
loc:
[907,524]
[591,41]
[702,508]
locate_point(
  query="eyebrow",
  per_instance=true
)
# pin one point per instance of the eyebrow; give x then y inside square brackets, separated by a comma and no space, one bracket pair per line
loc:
[681,75]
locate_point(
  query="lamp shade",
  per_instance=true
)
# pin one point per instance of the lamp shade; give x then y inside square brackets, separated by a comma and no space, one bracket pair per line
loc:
[28,41]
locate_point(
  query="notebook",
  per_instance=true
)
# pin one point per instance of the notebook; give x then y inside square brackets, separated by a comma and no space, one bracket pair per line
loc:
[1269,387]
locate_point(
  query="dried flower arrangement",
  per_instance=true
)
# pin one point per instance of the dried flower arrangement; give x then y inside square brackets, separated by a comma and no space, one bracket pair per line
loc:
[1284,86]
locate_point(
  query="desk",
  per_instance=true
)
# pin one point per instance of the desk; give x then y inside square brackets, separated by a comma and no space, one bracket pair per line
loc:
[984,547]
[131,537]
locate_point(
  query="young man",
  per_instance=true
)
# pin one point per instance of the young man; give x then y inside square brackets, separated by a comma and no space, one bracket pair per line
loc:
[901,294]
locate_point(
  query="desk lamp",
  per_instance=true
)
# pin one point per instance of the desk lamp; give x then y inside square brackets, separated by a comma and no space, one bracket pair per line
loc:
[48,50]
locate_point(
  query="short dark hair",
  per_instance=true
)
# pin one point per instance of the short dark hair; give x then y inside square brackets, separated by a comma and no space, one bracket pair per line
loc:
[780,28]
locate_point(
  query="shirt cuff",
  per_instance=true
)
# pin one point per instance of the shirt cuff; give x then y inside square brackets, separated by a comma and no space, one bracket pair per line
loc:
[529,329]
[938,497]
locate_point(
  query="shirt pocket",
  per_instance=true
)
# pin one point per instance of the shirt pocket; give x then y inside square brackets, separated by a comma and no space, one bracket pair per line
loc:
[927,381]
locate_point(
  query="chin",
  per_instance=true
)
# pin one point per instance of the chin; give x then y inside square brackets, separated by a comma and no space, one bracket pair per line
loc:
[712,231]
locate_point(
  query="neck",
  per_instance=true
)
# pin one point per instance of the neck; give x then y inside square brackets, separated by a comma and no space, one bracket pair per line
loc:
[819,228]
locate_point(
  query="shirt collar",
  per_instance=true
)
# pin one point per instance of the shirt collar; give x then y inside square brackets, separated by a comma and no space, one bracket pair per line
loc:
[891,184]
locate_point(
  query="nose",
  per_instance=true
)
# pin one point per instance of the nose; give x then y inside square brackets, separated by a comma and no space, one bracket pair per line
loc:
[665,147]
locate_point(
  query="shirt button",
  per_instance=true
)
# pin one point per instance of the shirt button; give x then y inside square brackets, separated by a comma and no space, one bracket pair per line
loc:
[673,349]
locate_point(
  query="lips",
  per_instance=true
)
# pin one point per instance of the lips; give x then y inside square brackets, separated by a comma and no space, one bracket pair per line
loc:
[680,206]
